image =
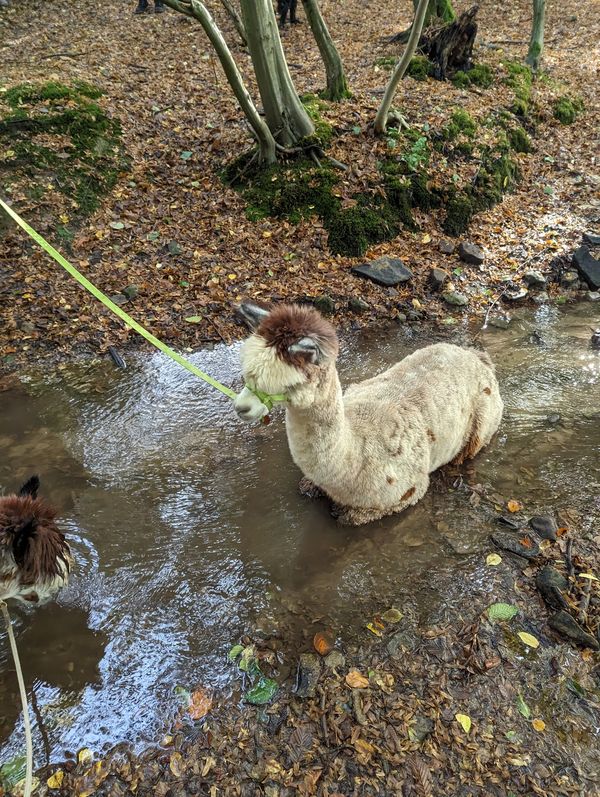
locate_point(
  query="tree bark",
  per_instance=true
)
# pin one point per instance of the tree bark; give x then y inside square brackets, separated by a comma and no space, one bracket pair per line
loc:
[286,116]
[536,43]
[337,88]
[236,19]
[437,9]
[401,67]
[264,137]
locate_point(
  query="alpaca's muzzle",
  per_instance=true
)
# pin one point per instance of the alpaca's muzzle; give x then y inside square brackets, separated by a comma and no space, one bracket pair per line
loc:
[249,407]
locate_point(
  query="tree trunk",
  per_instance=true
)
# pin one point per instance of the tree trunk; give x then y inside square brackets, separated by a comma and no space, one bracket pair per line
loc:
[264,137]
[236,19]
[536,43]
[286,116]
[401,67]
[450,47]
[437,9]
[337,88]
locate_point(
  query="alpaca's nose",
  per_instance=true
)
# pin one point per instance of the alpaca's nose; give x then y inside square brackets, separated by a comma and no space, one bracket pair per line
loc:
[249,407]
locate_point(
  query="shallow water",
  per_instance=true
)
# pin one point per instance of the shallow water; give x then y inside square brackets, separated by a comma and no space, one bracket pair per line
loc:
[188,530]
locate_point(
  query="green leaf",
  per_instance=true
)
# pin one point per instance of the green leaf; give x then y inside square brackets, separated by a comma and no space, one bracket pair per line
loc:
[193,319]
[116,225]
[501,611]
[174,248]
[195,184]
[356,130]
[262,693]
[186,155]
[235,652]
[548,189]
[152,236]
[13,771]
[247,657]
[523,707]
[184,283]
[511,735]
[392,616]
[464,721]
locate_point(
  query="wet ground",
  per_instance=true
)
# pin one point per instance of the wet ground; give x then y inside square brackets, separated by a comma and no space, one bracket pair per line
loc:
[188,531]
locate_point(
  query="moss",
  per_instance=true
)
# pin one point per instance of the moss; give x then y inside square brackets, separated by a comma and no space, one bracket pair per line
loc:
[479,75]
[459,211]
[386,62]
[323,130]
[399,195]
[423,197]
[461,122]
[498,174]
[566,110]
[353,230]
[520,80]
[419,68]
[519,140]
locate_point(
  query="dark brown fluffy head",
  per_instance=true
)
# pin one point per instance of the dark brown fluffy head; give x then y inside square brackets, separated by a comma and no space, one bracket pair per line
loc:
[292,329]
[28,532]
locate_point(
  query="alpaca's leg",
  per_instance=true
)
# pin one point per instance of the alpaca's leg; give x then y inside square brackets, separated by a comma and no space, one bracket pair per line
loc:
[309,489]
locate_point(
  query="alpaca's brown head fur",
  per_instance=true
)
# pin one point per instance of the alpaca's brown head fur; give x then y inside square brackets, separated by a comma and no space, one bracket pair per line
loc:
[285,326]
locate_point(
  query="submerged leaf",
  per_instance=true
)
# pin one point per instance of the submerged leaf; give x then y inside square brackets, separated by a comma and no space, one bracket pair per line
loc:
[493,559]
[262,692]
[55,780]
[514,506]
[464,721]
[200,704]
[392,616]
[538,725]
[322,643]
[501,611]
[176,764]
[522,707]
[356,681]
[528,639]
[84,756]
[235,652]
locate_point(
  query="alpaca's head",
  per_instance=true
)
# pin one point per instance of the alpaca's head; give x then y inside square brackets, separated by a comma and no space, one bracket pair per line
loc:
[287,353]
[33,552]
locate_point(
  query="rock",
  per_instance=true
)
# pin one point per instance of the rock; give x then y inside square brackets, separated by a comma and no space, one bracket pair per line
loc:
[95,257]
[507,521]
[471,253]
[553,419]
[593,296]
[358,305]
[541,297]
[551,584]
[401,318]
[27,327]
[544,526]
[595,339]
[566,626]
[570,279]
[131,291]
[421,729]
[405,640]
[537,338]
[335,660]
[455,299]
[415,315]
[590,239]
[118,298]
[384,271]
[500,322]
[587,266]
[515,296]
[447,247]
[310,671]
[534,279]
[437,278]
[174,248]
[514,544]
[324,304]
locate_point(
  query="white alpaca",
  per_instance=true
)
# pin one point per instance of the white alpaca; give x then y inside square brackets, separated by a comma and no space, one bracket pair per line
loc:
[371,449]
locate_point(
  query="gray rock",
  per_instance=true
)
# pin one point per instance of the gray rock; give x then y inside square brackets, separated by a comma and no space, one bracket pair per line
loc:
[131,291]
[384,271]
[544,526]
[593,296]
[471,253]
[309,674]
[515,296]
[567,627]
[335,660]
[174,248]
[402,640]
[401,318]
[570,279]
[500,322]
[513,543]
[358,305]
[455,299]
[534,279]
[118,298]
[438,277]
[447,247]
[595,339]
[421,729]
[324,304]
[587,266]
[553,419]
[590,239]
[507,521]
[551,584]
[415,315]
[541,297]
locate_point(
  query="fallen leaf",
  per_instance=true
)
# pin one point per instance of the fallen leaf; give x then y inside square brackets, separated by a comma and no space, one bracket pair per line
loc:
[200,704]
[528,639]
[356,681]
[522,707]
[426,238]
[514,506]
[176,764]
[55,780]
[193,319]
[262,693]
[501,611]
[392,616]
[538,725]
[322,643]
[464,721]
[589,576]
[373,629]
[301,740]
[84,755]
[493,559]
[116,225]
[235,652]
[186,155]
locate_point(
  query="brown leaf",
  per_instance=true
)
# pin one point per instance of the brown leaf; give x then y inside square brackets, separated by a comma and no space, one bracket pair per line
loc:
[200,704]
[422,775]
[322,643]
[357,681]
[300,741]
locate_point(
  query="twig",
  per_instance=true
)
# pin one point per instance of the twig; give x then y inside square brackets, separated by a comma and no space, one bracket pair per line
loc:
[585,601]
[315,158]
[41,725]
[217,330]
[569,557]
[23,693]
[324,719]
[63,55]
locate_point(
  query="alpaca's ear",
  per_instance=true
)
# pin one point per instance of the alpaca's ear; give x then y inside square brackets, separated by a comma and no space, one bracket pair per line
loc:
[252,314]
[30,487]
[309,348]
[23,535]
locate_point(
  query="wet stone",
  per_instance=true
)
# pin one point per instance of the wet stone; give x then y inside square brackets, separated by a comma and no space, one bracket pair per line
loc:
[590,239]
[421,729]
[587,266]
[507,521]
[358,305]
[553,419]
[534,279]
[310,671]
[593,296]
[384,271]
[545,526]
[447,247]
[595,339]
[438,277]
[335,660]
[570,279]
[471,253]
[520,544]
[516,296]
[500,322]
[551,584]
[455,299]
[401,640]
[569,628]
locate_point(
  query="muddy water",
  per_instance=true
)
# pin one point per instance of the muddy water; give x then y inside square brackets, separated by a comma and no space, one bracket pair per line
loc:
[188,531]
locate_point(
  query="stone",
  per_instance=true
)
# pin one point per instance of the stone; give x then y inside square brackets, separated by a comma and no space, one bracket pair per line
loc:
[447,247]
[455,299]
[534,279]
[544,526]
[335,660]
[471,253]
[438,277]
[421,729]
[551,584]
[570,279]
[569,628]
[515,296]
[384,271]
[514,544]
[174,248]
[595,339]
[27,327]
[415,315]
[401,640]
[593,296]
[507,521]
[553,419]
[324,304]
[358,305]
[131,291]
[589,239]
[500,322]
[309,674]
[541,297]
[401,318]
[118,298]
[587,266]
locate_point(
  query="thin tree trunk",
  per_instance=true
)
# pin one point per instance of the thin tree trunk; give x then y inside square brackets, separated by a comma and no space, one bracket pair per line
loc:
[337,88]
[264,137]
[401,67]
[286,116]
[536,44]
[236,19]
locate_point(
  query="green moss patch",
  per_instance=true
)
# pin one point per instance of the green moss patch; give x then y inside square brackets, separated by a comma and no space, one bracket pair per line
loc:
[314,107]
[420,68]
[461,123]
[518,140]
[567,109]
[55,137]
[479,75]
[520,80]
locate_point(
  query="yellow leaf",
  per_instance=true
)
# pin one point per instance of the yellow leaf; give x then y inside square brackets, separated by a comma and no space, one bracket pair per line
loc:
[176,764]
[539,725]
[464,721]
[426,238]
[514,506]
[64,218]
[232,276]
[361,746]
[591,576]
[493,559]
[528,639]
[374,630]
[267,234]
[55,780]
[84,756]
[356,681]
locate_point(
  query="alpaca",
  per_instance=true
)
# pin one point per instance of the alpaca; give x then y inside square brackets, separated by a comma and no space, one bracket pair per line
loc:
[35,558]
[372,448]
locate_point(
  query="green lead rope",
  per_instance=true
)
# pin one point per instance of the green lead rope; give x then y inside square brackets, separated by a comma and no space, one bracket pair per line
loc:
[267,400]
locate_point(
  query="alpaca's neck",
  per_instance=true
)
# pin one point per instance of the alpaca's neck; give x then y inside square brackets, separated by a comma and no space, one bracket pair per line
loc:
[317,429]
